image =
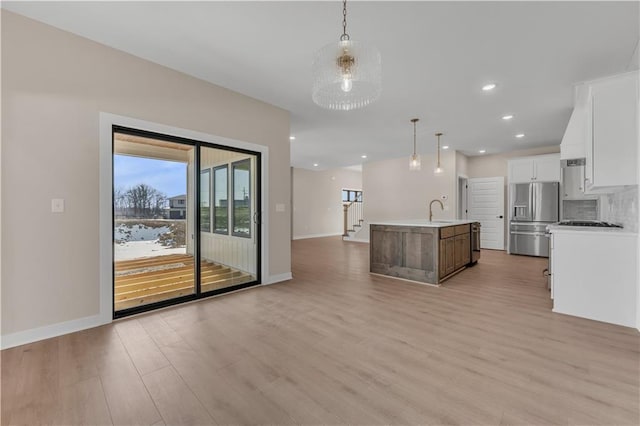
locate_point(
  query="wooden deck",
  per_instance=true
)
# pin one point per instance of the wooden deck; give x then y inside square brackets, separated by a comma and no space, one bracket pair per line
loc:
[153,279]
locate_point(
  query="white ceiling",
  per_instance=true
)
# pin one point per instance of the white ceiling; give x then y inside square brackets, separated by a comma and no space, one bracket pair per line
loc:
[436,56]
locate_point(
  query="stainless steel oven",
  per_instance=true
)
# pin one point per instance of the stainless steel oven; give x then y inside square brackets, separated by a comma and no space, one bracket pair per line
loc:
[475,242]
[529,238]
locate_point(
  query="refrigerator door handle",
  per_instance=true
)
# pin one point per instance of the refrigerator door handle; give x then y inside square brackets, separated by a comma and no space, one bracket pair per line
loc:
[537,234]
[532,199]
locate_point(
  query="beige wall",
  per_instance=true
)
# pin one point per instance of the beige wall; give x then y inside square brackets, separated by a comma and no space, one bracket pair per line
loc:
[317,200]
[392,192]
[54,85]
[462,164]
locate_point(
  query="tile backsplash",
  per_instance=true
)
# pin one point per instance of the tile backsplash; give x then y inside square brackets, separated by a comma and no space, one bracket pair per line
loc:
[580,210]
[621,207]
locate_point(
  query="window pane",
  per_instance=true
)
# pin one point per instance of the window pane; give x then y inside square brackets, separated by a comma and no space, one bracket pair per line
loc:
[152,204]
[205,207]
[241,198]
[220,201]
[345,195]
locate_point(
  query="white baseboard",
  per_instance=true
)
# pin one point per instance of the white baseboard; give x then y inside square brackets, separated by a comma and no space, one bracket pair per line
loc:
[48,331]
[279,278]
[304,237]
[356,240]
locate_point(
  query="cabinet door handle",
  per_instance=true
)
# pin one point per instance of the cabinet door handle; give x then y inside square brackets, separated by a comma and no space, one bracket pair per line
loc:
[500,217]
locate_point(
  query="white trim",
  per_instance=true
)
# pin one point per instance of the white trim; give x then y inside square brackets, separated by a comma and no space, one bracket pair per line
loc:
[279,278]
[107,121]
[105,222]
[355,240]
[465,177]
[48,331]
[304,237]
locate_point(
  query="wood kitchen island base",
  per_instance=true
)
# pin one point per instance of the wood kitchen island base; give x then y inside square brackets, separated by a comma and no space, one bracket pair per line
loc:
[428,252]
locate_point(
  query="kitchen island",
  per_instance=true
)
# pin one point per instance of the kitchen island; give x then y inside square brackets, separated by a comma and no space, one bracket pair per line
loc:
[420,250]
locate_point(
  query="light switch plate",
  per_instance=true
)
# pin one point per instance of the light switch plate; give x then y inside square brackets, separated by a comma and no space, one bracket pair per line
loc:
[57,205]
[280,208]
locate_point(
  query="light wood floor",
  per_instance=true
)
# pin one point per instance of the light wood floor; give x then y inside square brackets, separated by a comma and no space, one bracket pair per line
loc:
[336,346]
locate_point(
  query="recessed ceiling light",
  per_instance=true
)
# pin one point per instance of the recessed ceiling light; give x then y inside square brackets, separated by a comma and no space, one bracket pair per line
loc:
[507,117]
[445,147]
[482,151]
[489,86]
[363,156]
[315,164]
[520,135]
[292,138]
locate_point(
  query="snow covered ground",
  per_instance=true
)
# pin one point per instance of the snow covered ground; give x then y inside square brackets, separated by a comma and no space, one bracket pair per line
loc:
[137,249]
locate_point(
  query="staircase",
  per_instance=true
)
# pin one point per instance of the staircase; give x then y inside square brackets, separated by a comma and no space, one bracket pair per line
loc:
[143,281]
[353,220]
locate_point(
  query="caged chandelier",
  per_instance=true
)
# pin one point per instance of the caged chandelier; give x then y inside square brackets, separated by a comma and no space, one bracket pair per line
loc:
[346,75]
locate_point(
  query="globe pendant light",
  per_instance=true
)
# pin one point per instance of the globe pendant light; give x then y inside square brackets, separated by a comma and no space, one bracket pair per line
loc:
[438,170]
[414,161]
[346,75]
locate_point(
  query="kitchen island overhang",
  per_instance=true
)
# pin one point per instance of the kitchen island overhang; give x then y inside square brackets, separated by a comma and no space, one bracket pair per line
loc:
[420,250]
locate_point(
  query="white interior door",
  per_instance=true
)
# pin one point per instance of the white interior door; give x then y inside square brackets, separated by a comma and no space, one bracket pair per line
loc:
[486,205]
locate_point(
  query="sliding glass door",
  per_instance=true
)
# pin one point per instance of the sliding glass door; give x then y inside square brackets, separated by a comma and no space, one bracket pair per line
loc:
[178,204]
[228,255]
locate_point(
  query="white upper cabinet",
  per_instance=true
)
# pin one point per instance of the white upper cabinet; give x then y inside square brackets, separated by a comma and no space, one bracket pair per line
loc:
[612,132]
[521,170]
[540,168]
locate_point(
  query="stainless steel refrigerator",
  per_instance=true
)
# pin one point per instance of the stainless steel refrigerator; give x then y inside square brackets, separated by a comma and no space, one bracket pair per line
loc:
[533,206]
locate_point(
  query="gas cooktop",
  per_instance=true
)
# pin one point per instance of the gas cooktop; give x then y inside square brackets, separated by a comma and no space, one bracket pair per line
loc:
[597,223]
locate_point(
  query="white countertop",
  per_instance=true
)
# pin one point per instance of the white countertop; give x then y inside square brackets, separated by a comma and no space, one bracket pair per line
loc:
[558,229]
[423,223]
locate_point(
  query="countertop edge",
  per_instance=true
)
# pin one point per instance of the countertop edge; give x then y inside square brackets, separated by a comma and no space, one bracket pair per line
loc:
[596,231]
[423,224]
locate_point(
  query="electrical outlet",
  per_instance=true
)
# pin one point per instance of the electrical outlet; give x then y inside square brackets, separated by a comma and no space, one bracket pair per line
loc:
[57,205]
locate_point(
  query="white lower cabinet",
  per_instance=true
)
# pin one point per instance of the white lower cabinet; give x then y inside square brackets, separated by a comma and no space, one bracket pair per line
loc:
[594,275]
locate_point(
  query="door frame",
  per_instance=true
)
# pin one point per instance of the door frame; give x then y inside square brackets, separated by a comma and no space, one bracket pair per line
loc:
[462,197]
[106,126]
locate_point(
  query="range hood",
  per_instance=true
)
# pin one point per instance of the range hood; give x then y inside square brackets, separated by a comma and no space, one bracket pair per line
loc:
[574,141]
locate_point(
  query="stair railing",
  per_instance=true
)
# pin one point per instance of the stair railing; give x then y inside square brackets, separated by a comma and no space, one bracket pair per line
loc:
[352,213]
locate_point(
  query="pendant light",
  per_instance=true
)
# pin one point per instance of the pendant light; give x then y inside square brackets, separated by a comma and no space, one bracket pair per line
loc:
[414,161]
[346,75]
[438,170]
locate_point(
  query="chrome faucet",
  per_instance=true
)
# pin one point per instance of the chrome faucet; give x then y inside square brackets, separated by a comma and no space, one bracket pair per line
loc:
[431,208]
